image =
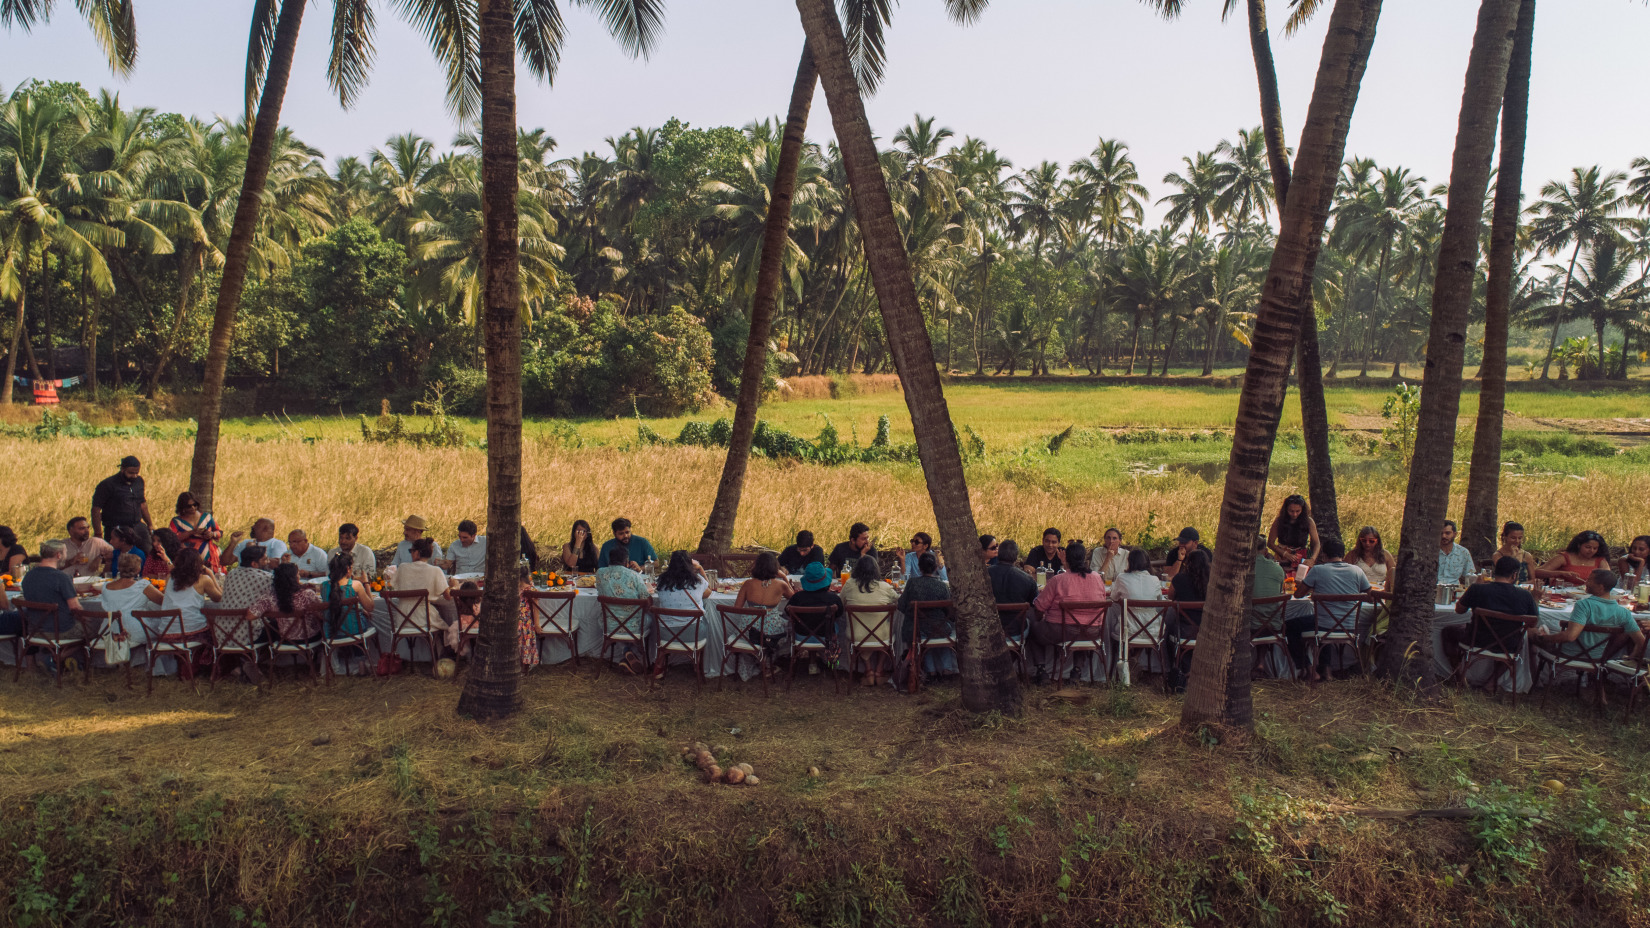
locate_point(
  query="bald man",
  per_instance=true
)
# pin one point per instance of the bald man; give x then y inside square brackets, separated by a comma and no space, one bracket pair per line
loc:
[311,560]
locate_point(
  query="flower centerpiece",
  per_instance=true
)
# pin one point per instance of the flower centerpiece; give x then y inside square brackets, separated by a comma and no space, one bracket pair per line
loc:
[549,579]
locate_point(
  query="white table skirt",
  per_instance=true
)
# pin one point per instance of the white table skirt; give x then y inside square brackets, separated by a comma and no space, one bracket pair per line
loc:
[1443,617]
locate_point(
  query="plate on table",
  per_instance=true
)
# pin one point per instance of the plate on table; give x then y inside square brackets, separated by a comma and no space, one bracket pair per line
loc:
[470,575]
[585,582]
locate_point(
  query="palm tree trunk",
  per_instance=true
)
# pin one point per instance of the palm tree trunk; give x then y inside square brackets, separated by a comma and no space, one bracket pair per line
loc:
[1407,656]
[988,680]
[979,311]
[16,334]
[1563,304]
[1375,308]
[91,307]
[1214,698]
[46,314]
[718,534]
[203,468]
[492,688]
[189,265]
[1134,346]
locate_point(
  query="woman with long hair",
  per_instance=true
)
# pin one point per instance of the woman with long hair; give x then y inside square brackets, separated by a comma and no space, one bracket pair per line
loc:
[1294,535]
[1512,545]
[14,553]
[1372,557]
[188,587]
[344,621]
[1057,621]
[1586,553]
[768,590]
[865,587]
[681,586]
[292,602]
[529,550]
[579,555]
[1635,564]
[195,528]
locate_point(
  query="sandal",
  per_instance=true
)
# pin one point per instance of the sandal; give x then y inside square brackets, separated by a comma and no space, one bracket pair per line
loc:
[633,665]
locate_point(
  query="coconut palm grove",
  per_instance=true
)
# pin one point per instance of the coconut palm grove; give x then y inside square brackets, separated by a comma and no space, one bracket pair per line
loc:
[1340,614]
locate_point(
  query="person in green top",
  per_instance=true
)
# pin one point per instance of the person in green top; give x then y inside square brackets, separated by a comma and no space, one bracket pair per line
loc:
[1598,610]
[1268,581]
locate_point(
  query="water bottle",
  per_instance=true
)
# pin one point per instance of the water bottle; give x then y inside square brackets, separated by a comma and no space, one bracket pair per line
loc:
[651,568]
[1042,577]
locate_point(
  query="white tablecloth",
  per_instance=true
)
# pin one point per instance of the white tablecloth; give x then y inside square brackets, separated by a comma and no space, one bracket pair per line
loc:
[1551,619]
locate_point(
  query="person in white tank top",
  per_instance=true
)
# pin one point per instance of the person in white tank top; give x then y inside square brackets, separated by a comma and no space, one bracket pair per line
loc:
[192,595]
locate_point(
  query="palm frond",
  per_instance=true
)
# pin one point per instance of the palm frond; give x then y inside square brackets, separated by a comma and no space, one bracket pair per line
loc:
[864,26]
[539,34]
[965,12]
[451,28]
[115,29]
[636,24]
[1300,12]
[352,50]
[259,45]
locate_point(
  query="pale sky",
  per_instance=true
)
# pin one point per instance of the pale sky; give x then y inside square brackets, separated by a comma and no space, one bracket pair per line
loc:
[1037,79]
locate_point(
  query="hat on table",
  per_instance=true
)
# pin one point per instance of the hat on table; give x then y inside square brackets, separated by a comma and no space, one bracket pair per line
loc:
[816,576]
[414,522]
[1189,534]
[129,461]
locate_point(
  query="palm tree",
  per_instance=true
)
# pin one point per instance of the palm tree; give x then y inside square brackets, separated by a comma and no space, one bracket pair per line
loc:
[1407,656]
[1478,523]
[988,677]
[400,172]
[1579,213]
[1638,189]
[1199,191]
[1373,223]
[113,25]
[1285,298]
[1110,190]
[1607,292]
[1243,180]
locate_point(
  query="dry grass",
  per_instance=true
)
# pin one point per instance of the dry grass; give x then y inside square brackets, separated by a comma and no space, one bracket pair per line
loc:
[836,386]
[668,492]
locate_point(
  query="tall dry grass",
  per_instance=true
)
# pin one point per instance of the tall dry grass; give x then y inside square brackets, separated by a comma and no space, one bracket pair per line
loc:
[667,492]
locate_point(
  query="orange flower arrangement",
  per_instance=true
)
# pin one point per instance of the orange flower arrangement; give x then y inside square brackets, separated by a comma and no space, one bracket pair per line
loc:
[9,581]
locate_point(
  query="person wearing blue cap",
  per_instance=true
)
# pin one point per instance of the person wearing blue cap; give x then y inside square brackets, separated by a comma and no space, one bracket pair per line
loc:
[816,591]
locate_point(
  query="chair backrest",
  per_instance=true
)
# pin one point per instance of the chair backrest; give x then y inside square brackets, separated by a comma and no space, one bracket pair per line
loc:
[41,620]
[1013,616]
[1088,614]
[1143,620]
[232,629]
[1615,641]
[1266,615]
[675,635]
[91,621]
[161,624]
[1508,632]
[409,611]
[627,614]
[347,607]
[813,617]
[871,626]
[1343,610]
[551,610]
[922,609]
[468,602]
[737,621]
[1191,613]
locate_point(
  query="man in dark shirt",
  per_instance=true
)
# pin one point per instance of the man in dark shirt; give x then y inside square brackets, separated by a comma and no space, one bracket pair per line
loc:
[119,500]
[1185,543]
[1050,556]
[47,584]
[1501,594]
[1010,584]
[797,557]
[848,553]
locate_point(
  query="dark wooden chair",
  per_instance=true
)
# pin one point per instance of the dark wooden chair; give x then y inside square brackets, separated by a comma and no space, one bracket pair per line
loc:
[1508,636]
[1555,659]
[624,623]
[235,633]
[807,646]
[1345,628]
[1141,626]
[41,631]
[410,620]
[1089,616]
[95,621]
[1015,631]
[921,645]
[468,605]
[1266,633]
[166,637]
[681,638]
[290,633]
[877,640]
[336,636]
[551,612]
[741,637]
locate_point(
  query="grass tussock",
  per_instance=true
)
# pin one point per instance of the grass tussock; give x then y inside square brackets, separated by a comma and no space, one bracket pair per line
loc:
[837,386]
[372,803]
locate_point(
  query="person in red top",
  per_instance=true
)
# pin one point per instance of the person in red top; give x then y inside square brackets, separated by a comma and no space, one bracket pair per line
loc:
[1587,552]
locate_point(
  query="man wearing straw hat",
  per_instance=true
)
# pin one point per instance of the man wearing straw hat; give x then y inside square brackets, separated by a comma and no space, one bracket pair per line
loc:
[412,529]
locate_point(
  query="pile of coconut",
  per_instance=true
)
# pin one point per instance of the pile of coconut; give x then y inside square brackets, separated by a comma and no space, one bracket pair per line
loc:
[701,756]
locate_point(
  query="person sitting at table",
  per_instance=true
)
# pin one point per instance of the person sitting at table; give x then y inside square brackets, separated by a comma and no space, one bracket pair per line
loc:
[1635,564]
[1110,560]
[682,586]
[1455,563]
[527,637]
[189,587]
[1190,585]
[468,553]
[1600,610]
[1294,534]
[529,550]
[922,543]
[249,582]
[1139,584]
[639,548]
[1512,545]
[848,553]
[618,579]
[339,587]
[419,574]
[263,535]
[85,554]
[1586,553]
[933,623]
[796,558]
[310,560]
[1372,557]
[290,598]
[412,529]
[1009,585]
[361,557]
[579,554]
[816,592]
[1056,623]
[865,587]
[14,554]
[1501,594]
[768,590]
[988,549]
[1266,583]
[1331,577]
[134,539]
[127,594]
[468,614]
[1050,557]
[164,546]
[46,584]
[1185,543]
[196,529]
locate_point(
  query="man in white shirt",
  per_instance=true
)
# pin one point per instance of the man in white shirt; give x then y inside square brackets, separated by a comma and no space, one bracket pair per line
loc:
[468,555]
[1455,564]
[412,529]
[263,535]
[311,561]
[365,559]
[84,554]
